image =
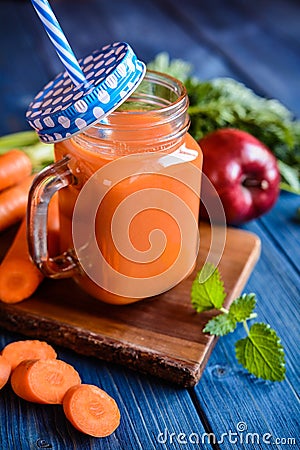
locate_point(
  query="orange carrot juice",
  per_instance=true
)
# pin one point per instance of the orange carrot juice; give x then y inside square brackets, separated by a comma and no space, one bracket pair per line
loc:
[135,228]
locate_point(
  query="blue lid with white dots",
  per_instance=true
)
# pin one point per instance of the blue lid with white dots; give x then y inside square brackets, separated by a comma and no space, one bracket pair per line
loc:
[62,109]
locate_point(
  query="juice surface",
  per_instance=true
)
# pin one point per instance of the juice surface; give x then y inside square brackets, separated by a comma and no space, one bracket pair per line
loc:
[149,191]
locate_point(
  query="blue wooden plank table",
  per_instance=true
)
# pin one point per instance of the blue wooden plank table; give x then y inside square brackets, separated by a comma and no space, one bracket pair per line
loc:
[257,43]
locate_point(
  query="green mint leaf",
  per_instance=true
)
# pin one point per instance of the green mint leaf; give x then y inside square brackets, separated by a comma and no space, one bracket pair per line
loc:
[242,308]
[220,325]
[240,351]
[207,289]
[261,353]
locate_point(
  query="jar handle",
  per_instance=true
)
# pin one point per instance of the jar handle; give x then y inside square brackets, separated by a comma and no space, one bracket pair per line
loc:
[45,185]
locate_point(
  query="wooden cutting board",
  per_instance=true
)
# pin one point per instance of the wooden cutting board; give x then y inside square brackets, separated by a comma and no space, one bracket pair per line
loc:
[161,336]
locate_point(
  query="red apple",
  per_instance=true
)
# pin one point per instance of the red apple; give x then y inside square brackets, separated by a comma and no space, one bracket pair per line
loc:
[243,171]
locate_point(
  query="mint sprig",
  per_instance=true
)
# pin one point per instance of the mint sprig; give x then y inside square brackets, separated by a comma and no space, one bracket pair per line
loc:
[260,352]
[241,309]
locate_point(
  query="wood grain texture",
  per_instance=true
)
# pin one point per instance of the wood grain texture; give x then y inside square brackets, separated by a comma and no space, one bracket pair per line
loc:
[161,336]
[282,224]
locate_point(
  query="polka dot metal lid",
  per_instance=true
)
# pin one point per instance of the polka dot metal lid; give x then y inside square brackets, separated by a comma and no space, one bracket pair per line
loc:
[62,109]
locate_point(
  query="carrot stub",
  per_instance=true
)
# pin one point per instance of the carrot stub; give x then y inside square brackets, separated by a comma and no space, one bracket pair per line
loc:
[5,370]
[18,351]
[15,165]
[43,380]
[91,410]
[13,203]
[19,276]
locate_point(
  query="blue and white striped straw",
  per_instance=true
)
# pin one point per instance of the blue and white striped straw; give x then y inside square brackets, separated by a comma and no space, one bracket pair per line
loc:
[59,41]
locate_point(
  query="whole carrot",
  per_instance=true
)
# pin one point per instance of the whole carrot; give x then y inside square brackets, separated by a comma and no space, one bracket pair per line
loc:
[43,380]
[15,165]
[19,277]
[91,410]
[18,351]
[13,203]
[5,370]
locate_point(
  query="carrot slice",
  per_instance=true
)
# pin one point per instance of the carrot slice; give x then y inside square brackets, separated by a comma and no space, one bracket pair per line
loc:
[19,277]
[18,351]
[15,165]
[43,380]
[5,370]
[91,410]
[13,203]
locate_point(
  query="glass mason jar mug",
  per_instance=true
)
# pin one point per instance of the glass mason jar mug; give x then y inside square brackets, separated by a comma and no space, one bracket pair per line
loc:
[129,195]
